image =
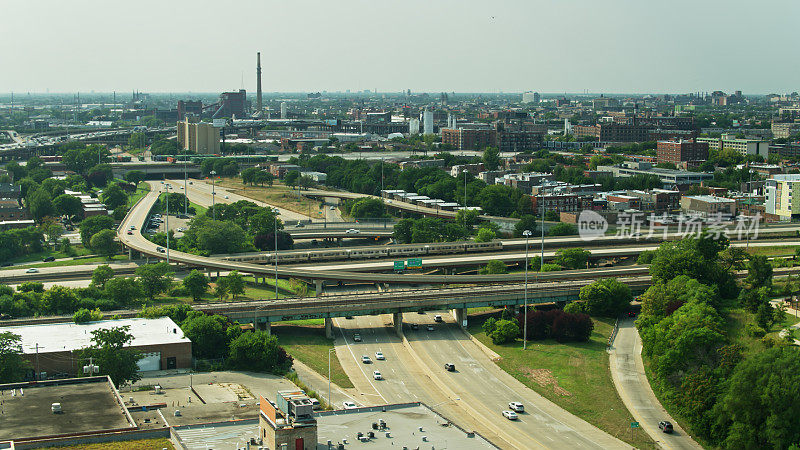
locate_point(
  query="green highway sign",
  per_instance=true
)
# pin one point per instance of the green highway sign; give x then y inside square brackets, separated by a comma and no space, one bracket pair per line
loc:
[634,424]
[414,263]
[399,266]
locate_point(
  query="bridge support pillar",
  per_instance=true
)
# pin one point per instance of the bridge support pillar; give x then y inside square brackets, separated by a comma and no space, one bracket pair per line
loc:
[397,320]
[460,316]
[268,327]
[319,285]
[329,328]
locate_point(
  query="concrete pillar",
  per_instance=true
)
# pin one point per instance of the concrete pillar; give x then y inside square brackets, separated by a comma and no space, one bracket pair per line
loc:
[267,327]
[329,328]
[318,286]
[460,316]
[397,319]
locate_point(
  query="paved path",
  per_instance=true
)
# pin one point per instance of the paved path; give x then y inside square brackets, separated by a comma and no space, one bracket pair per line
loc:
[627,371]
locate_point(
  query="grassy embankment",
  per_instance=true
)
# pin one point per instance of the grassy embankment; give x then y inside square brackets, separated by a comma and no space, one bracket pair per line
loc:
[145,444]
[306,341]
[575,376]
[276,195]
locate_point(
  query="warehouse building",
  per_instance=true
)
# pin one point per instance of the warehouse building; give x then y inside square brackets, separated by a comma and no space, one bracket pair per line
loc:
[55,349]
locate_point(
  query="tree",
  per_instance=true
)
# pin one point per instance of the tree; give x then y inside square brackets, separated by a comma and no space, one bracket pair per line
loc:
[305,182]
[368,208]
[207,333]
[12,365]
[221,289]
[759,272]
[494,267]
[39,204]
[259,351]
[484,235]
[572,258]
[92,225]
[124,291]
[59,300]
[291,177]
[80,160]
[135,176]
[155,278]
[606,297]
[196,283]
[505,331]
[760,400]
[526,222]
[68,205]
[491,158]
[100,275]
[114,197]
[104,242]
[234,283]
[109,353]
[100,175]
[137,141]
[468,218]
[84,315]
[53,230]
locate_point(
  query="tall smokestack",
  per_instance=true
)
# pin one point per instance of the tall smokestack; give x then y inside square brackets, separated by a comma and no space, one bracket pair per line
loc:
[258,84]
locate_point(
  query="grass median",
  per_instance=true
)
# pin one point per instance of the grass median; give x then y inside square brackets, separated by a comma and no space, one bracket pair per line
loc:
[575,376]
[308,344]
[276,195]
[144,444]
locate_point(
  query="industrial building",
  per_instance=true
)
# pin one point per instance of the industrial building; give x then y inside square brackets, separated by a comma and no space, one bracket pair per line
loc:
[667,176]
[56,348]
[289,422]
[198,137]
[743,146]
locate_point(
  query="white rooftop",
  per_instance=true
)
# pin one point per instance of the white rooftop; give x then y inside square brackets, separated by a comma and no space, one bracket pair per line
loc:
[59,337]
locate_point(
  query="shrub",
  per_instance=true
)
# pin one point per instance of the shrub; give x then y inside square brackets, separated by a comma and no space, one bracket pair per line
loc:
[84,315]
[575,307]
[754,330]
[559,325]
[504,332]
[489,325]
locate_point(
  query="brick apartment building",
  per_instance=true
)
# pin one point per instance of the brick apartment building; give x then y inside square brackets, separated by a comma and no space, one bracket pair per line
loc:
[679,151]
[469,138]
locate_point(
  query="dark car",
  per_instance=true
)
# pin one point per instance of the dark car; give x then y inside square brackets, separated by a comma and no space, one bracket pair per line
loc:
[449,367]
[665,426]
[49,259]
[415,326]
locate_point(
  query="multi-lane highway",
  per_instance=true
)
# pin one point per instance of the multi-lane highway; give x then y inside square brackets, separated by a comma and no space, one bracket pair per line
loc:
[474,394]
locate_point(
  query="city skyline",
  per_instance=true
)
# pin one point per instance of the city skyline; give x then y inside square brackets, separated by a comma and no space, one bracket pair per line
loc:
[621,47]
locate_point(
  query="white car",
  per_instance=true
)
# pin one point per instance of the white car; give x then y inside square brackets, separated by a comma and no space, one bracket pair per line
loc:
[180,229]
[379,356]
[510,415]
[32,270]
[351,231]
[365,359]
[226,197]
[377,375]
[516,406]
[349,405]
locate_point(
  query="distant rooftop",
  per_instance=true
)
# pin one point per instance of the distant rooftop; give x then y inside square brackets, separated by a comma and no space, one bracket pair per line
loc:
[57,337]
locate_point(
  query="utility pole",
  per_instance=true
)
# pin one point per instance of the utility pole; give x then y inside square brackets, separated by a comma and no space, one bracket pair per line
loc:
[38,373]
[213,194]
[166,223]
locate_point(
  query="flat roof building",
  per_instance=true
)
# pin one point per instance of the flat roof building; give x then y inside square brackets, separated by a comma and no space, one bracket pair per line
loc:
[680,151]
[198,137]
[667,176]
[59,345]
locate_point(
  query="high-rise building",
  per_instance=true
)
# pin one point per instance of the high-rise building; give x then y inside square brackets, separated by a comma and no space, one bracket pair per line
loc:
[198,137]
[782,197]
[530,97]
[680,151]
[283,110]
[413,126]
[427,122]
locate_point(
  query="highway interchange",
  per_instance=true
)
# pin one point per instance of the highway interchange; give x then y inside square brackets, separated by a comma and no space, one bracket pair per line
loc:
[474,394]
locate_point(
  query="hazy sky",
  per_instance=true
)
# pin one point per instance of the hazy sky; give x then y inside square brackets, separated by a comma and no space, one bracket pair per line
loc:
[608,46]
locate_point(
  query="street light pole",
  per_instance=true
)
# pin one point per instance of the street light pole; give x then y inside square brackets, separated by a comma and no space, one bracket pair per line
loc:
[185,184]
[330,402]
[213,196]
[464,172]
[166,189]
[275,233]
[527,234]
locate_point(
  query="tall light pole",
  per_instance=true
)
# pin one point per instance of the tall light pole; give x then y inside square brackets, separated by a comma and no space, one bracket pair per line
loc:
[185,184]
[330,402]
[275,233]
[541,260]
[166,189]
[213,194]
[527,234]
[464,172]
